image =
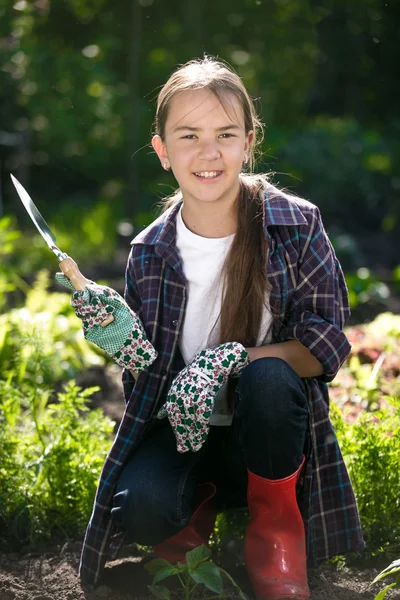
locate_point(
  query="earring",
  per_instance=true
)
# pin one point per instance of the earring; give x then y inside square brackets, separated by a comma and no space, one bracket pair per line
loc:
[165,165]
[245,159]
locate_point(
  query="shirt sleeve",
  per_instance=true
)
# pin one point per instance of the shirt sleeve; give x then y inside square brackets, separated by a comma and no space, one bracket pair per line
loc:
[131,292]
[319,308]
[132,298]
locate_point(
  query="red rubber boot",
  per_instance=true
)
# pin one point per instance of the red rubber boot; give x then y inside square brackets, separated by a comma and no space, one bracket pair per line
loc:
[196,532]
[275,544]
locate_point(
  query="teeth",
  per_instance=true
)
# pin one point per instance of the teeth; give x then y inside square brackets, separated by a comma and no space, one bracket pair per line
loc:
[208,174]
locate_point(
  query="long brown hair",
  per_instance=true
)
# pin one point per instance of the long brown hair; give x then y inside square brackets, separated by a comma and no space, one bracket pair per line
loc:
[245,281]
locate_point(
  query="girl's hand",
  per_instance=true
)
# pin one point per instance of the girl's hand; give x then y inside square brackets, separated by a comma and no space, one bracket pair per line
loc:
[190,400]
[124,339]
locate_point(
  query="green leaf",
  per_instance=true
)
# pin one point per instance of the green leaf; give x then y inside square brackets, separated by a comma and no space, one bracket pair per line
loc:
[233,582]
[155,565]
[197,556]
[208,574]
[160,591]
[165,572]
[394,567]
[383,592]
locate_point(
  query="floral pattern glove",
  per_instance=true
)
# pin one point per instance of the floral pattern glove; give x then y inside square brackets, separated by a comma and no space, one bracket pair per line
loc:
[124,339]
[190,400]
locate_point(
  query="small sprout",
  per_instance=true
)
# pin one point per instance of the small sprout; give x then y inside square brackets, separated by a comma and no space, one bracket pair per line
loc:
[199,569]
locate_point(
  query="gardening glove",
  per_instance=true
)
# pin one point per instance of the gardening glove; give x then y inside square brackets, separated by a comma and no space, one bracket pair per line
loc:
[190,400]
[124,339]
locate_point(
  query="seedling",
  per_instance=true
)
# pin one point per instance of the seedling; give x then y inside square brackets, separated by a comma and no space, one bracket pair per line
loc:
[199,569]
[393,568]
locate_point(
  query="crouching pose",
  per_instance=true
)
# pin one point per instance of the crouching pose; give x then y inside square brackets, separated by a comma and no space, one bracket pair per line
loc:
[238,302]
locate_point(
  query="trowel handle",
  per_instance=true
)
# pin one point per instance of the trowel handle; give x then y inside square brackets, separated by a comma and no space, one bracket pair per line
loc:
[70,270]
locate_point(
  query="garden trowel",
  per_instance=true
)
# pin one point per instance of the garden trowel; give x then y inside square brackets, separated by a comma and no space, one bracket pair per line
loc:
[67,265]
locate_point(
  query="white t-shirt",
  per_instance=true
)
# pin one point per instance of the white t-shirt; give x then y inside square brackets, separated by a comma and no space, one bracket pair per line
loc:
[203,259]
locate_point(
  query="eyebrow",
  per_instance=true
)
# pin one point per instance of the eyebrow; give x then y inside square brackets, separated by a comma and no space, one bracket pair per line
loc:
[187,128]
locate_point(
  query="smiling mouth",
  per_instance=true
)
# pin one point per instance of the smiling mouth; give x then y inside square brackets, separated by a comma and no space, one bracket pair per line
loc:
[207,174]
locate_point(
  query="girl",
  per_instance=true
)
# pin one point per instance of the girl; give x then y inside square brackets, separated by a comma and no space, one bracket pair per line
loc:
[242,298]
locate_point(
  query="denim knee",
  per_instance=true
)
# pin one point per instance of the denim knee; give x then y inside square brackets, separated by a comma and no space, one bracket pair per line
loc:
[271,388]
[272,416]
[147,513]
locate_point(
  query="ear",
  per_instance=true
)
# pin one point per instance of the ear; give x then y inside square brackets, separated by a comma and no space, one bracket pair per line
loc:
[160,149]
[249,141]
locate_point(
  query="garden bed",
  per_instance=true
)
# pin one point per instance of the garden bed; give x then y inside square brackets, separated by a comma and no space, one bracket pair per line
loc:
[53,576]
[366,418]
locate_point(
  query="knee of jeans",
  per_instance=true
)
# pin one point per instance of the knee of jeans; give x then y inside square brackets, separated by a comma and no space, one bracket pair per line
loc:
[145,514]
[268,371]
[265,383]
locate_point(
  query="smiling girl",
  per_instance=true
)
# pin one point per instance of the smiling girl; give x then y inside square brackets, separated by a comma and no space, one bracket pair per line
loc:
[240,293]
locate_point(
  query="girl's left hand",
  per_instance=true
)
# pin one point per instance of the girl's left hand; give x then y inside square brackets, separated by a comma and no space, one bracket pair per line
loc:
[190,400]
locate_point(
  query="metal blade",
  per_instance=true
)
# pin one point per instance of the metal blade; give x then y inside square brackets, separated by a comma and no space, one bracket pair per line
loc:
[37,218]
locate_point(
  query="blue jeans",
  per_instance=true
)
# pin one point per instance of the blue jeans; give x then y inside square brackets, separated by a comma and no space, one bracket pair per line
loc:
[156,491]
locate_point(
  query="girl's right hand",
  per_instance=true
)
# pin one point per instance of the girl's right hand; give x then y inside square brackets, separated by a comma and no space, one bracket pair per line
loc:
[124,339]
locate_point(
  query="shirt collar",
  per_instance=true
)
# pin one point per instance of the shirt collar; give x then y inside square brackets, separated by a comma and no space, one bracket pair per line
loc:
[279,210]
[282,210]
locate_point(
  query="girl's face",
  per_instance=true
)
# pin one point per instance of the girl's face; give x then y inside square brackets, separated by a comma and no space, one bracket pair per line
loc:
[205,145]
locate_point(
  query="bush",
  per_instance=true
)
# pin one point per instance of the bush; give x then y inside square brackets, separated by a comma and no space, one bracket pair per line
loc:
[51,454]
[51,446]
[371,448]
[43,342]
[347,170]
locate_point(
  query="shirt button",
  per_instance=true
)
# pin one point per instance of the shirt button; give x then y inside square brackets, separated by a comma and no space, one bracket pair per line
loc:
[175,323]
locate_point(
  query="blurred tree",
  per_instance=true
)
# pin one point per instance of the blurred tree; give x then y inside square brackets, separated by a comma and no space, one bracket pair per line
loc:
[357,61]
[81,77]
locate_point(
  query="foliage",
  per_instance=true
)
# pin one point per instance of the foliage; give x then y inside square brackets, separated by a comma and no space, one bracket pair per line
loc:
[198,570]
[392,569]
[42,342]
[363,287]
[51,453]
[51,446]
[372,371]
[9,280]
[371,447]
[366,415]
[83,105]
[87,232]
[338,158]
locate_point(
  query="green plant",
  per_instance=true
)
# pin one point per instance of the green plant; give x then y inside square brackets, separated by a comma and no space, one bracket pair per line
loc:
[198,570]
[363,286]
[52,446]
[42,342]
[9,280]
[371,448]
[392,569]
[372,371]
[51,453]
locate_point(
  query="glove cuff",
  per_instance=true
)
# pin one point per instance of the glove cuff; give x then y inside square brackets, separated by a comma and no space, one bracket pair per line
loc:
[136,354]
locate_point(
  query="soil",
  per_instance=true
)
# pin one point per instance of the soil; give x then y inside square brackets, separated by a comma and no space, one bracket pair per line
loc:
[54,576]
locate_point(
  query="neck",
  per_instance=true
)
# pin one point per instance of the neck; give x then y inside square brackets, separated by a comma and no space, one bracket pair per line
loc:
[210,220]
[209,223]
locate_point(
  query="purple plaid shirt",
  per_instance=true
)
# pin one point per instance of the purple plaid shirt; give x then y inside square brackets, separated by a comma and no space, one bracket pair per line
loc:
[310,295]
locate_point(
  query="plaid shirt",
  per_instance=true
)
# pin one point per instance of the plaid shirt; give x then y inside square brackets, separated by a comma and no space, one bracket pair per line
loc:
[310,295]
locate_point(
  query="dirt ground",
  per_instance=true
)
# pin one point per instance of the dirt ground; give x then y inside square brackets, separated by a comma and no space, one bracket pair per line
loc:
[53,576]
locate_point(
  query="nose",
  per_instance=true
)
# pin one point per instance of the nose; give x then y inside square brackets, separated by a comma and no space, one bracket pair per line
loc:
[209,151]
